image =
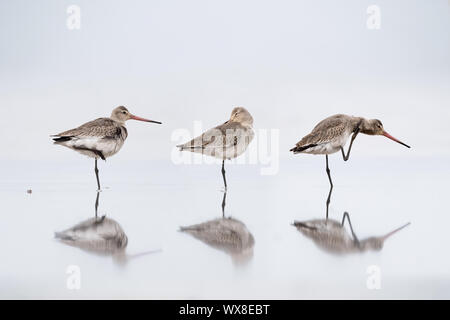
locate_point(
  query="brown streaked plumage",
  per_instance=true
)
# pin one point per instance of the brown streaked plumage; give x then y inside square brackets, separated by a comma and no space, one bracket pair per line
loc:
[100,235]
[331,236]
[103,236]
[331,134]
[226,141]
[225,234]
[100,138]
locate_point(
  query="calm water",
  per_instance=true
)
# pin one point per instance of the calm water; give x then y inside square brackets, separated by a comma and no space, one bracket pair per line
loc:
[151,201]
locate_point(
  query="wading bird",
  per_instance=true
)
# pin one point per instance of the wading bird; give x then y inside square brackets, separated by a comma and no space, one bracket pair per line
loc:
[331,134]
[226,141]
[331,236]
[100,138]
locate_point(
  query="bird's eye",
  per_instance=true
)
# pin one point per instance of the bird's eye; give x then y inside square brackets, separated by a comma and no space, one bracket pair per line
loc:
[124,112]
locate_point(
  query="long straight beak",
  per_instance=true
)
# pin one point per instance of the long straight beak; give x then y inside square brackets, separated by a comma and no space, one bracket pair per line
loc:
[395,231]
[143,119]
[387,135]
[137,255]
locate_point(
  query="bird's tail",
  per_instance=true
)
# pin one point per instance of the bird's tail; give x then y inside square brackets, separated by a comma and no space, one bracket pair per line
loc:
[62,236]
[59,139]
[62,139]
[298,149]
[303,225]
[183,147]
[189,228]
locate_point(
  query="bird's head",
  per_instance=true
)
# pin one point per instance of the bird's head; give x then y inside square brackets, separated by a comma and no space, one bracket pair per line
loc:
[375,127]
[376,243]
[372,243]
[121,114]
[241,115]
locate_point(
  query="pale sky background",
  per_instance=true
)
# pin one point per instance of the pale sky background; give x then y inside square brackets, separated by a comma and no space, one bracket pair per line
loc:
[290,63]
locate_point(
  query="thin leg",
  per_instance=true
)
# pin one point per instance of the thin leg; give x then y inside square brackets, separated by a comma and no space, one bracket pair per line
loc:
[223,204]
[223,175]
[96,174]
[355,238]
[331,185]
[96,204]
[350,147]
[225,193]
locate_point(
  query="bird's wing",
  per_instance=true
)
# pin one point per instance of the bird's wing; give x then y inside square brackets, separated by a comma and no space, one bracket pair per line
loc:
[92,229]
[222,233]
[101,127]
[233,133]
[202,141]
[223,136]
[325,131]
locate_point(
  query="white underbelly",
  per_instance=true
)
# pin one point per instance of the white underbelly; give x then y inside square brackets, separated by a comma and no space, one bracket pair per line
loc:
[229,150]
[331,146]
[325,148]
[108,147]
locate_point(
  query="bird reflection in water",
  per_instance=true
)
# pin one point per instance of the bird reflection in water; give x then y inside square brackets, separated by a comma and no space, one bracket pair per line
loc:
[101,236]
[331,236]
[225,234]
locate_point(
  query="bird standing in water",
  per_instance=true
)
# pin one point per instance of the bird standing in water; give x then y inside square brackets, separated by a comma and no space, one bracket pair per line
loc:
[226,141]
[331,134]
[100,138]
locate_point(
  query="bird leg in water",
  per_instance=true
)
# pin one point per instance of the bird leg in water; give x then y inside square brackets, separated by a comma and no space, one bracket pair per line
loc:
[331,185]
[355,238]
[96,174]
[223,175]
[225,193]
[350,147]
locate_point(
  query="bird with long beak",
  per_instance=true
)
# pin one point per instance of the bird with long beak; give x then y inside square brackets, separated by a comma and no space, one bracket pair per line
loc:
[331,236]
[103,237]
[100,138]
[226,141]
[331,134]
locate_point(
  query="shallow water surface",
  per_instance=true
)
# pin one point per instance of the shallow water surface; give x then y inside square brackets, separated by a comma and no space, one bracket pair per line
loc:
[270,259]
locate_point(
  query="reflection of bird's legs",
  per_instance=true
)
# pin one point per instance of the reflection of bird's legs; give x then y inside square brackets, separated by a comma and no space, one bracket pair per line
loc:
[225,193]
[355,238]
[96,174]
[331,185]
[350,147]
[96,204]
[223,204]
